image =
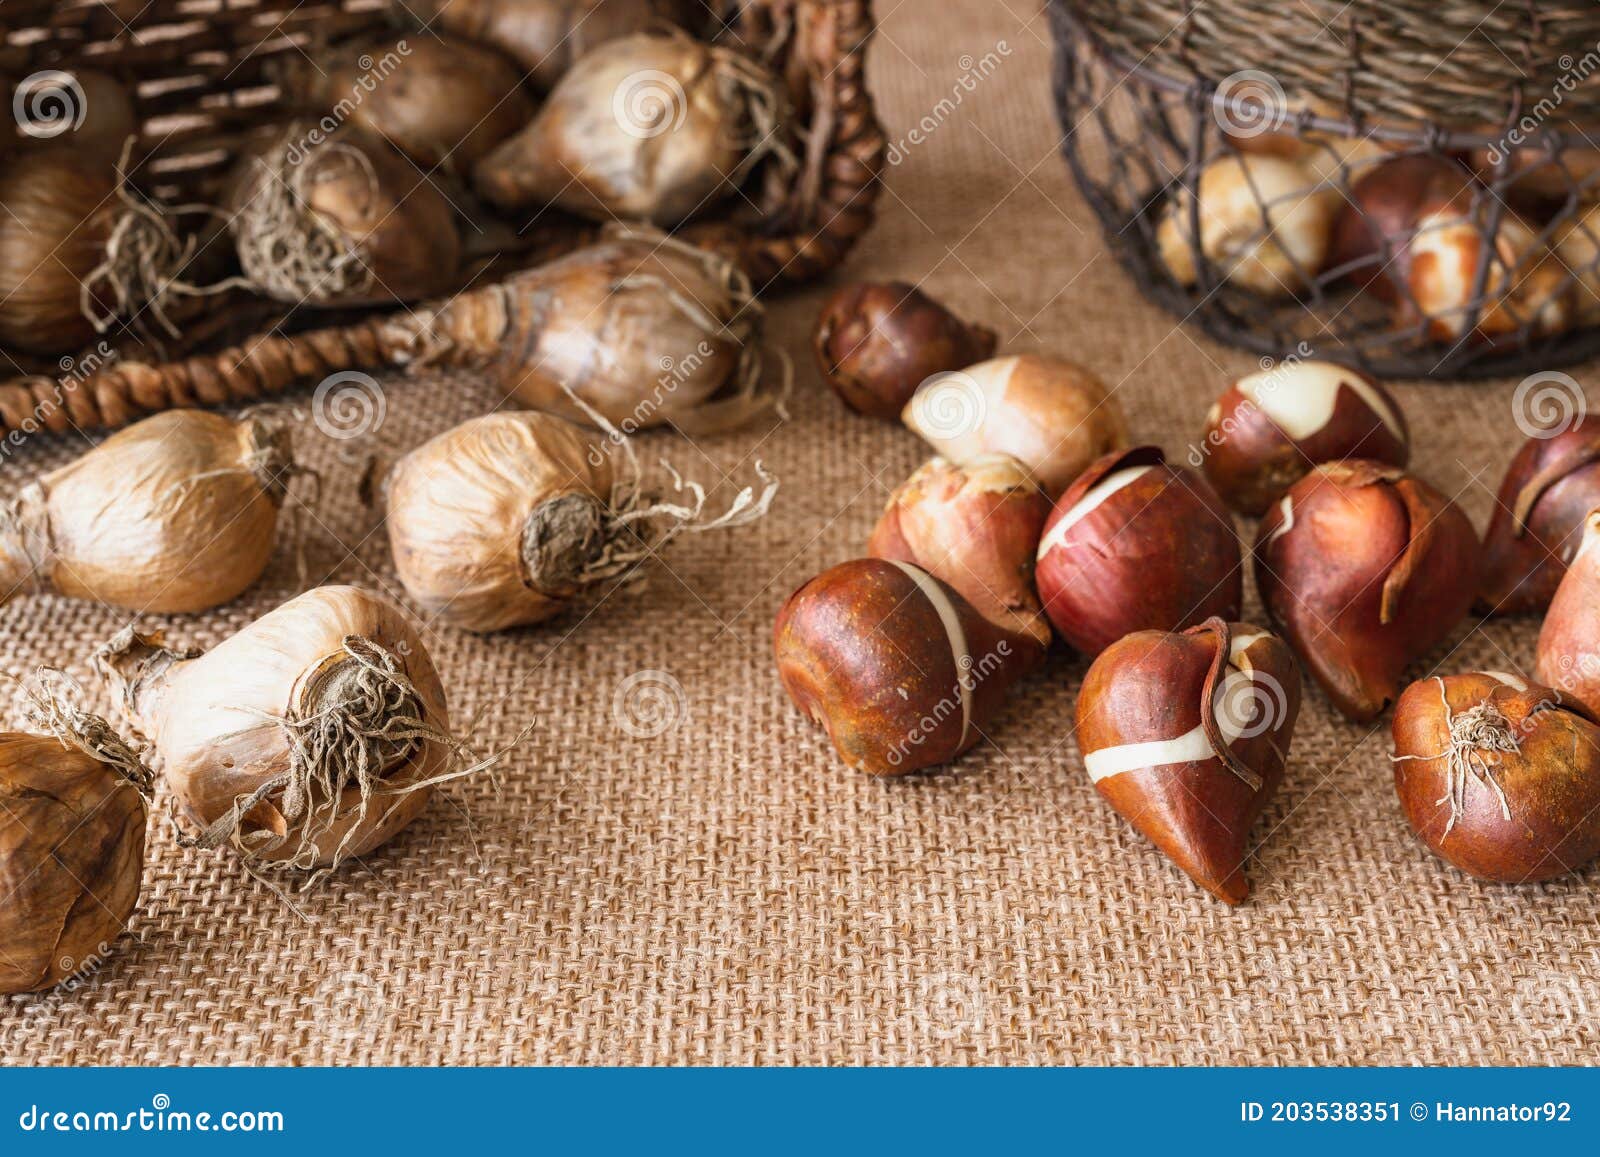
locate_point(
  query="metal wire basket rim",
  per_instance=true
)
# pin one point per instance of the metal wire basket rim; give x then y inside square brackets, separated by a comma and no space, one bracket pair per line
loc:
[1428,136]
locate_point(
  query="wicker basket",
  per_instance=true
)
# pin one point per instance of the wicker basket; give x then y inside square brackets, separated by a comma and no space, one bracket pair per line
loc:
[200,71]
[1153,94]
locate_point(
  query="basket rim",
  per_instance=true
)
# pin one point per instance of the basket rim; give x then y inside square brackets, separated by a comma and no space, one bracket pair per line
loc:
[1422,134]
[1549,133]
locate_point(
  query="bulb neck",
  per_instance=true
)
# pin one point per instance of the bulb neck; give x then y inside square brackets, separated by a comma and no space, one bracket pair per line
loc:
[562,540]
[137,667]
[24,544]
[270,456]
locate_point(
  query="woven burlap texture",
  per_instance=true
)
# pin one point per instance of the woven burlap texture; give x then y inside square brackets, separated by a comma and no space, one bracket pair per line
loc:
[676,869]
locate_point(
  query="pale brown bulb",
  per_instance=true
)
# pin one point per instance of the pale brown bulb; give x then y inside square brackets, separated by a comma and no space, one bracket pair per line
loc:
[494,523]
[311,736]
[175,513]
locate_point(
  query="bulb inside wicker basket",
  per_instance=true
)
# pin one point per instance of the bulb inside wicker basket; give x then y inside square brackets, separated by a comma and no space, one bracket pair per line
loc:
[1279,219]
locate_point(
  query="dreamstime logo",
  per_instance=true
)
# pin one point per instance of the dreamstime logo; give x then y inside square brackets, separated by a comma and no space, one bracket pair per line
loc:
[648,103]
[1575,72]
[373,74]
[949,405]
[1220,427]
[1554,998]
[1251,704]
[349,1005]
[974,70]
[74,975]
[1249,103]
[348,404]
[647,704]
[1548,403]
[949,1005]
[48,104]
[1574,671]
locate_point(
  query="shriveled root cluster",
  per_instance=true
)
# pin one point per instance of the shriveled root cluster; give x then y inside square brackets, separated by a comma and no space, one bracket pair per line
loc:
[1475,733]
[633,526]
[144,257]
[288,251]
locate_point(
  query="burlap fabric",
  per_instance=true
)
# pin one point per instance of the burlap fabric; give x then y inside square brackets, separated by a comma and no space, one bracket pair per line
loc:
[675,868]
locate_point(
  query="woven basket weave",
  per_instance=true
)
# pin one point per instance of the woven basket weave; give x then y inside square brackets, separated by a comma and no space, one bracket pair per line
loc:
[201,73]
[1146,91]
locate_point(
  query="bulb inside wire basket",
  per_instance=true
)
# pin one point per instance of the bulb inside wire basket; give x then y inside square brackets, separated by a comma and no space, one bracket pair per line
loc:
[1284,222]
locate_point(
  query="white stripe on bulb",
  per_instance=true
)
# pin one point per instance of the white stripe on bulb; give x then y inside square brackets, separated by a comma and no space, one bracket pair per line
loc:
[1098,493]
[1192,746]
[1286,507]
[1300,399]
[1510,680]
[954,632]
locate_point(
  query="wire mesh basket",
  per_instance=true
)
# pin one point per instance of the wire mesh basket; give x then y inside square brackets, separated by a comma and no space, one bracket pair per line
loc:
[1407,186]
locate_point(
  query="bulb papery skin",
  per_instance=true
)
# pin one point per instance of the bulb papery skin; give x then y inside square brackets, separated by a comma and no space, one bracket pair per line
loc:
[646,127]
[1265,224]
[1569,640]
[899,669]
[1137,544]
[975,527]
[1537,521]
[218,719]
[544,37]
[459,511]
[1524,286]
[609,330]
[177,513]
[1053,416]
[1153,754]
[1364,569]
[72,836]
[1268,429]
[440,101]
[57,212]
[1498,776]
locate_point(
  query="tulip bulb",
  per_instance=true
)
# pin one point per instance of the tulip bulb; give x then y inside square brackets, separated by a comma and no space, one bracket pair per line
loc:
[1523,286]
[1186,735]
[901,670]
[1137,544]
[176,513]
[1053,416]
[1375,225]
[1270,428]
[1265,224]
[875,344]
[72,825]
[1497,776]
[1578,250]
[1569,641]
[1548,491]
[975,527]
[1364,569]
[510,518]
[311,736]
